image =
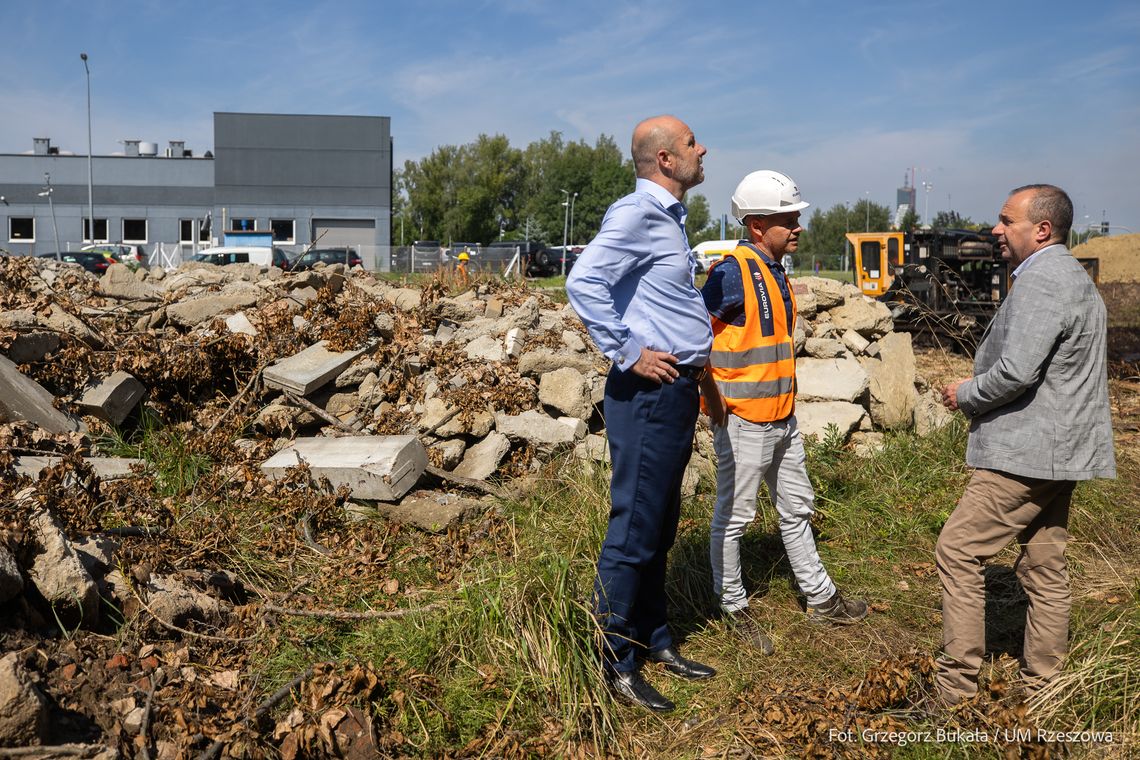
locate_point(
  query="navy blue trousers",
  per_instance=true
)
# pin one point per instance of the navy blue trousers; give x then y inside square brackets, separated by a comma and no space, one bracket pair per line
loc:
[650,430]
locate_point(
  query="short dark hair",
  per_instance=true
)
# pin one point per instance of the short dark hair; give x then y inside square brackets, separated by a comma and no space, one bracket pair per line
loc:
[1052,203]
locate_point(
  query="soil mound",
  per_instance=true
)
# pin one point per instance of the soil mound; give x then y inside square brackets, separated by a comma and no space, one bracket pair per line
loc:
[1119,256]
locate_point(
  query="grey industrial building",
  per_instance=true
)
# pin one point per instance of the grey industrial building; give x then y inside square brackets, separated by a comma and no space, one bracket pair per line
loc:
[299,177]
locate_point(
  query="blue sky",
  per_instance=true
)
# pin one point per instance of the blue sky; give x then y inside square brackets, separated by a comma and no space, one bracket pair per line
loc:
[844,97]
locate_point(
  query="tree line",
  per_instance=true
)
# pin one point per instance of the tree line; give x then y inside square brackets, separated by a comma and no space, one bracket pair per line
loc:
[488,190]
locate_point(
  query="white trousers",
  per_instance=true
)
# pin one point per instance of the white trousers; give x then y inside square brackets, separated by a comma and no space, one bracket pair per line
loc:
[746,453]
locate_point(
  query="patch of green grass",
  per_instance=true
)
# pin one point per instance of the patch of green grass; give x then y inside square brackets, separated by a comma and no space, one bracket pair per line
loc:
[166,448]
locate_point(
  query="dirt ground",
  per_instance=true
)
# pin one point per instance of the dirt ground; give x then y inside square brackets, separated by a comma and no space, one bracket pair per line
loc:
[1119,257]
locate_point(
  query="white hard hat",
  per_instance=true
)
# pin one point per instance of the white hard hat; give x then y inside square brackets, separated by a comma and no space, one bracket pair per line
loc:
[766,192]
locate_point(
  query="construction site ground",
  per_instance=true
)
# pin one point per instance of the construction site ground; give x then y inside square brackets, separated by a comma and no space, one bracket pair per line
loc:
[367,637]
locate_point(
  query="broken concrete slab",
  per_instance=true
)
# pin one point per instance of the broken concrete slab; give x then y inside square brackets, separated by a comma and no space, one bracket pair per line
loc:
[866,316]
[59,575]
[542,360]
[814,417]
[567,391]
[24,711]
[855,342]
[482,459]
[485,348]
[536,429]
[239,323]
[450,452]
[893,397]
[32,346]
[194,311]
[376,467]
[106,468]
[304,372]
[830,379]
[22,398]
[113,398]
[120,281]
[431,511]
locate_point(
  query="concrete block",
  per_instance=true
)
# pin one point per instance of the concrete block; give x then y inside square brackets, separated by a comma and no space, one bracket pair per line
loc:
[382,467]
[106,468]
[32,346]
[307,371]
[482,459]
[113,398]
[22,398]
[433,512]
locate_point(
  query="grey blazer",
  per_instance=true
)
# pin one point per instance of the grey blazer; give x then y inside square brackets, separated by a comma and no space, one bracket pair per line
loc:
[1038,401]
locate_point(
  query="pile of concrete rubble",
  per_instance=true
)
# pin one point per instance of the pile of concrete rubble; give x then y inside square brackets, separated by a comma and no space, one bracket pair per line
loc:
[452,383]
[404,399]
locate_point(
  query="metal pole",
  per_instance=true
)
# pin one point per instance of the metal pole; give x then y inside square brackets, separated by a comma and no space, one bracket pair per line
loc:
[90,195]
[846,229]
[51,206]
[565,227]
[572,199]
[867,208]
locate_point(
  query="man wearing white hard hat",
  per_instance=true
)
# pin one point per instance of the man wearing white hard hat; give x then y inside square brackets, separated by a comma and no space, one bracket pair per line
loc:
[749,393]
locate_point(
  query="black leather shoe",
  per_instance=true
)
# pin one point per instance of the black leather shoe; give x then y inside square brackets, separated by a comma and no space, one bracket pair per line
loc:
[634,689]
[679,666]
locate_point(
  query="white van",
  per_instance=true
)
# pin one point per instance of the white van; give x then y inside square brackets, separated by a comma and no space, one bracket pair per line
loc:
[265,257]
[710,251]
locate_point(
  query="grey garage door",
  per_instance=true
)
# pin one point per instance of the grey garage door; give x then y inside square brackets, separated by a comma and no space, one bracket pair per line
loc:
[340,232]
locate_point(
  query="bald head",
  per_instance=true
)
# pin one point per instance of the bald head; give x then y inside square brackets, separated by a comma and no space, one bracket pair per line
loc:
[655,134]
[666,151]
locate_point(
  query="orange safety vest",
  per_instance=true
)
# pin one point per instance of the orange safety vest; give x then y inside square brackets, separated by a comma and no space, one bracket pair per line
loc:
[754,365]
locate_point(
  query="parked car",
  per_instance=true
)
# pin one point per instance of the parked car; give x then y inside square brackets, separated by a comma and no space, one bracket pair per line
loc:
[244,255]
[121,251]
[710,252]
[309,259]
[537,259]
[95,262]
[556,256]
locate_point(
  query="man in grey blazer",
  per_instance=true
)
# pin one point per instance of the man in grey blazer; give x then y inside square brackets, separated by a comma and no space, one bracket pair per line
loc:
[1039,422]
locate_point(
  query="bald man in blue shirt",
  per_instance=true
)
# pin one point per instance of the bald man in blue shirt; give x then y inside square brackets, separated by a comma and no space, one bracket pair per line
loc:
[633,289]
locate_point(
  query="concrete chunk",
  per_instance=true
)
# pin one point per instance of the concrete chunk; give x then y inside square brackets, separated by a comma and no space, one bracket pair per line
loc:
[830,379]
[482,459]
[813,418]
[307,371]
[106,468]
[22,398]
[113,398]
[382,467]
[433,512]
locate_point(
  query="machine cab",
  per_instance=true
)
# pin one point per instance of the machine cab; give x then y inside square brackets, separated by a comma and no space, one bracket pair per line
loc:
[876,256]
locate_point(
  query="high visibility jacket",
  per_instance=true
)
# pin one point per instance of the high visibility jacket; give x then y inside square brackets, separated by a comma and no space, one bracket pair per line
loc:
[754,365]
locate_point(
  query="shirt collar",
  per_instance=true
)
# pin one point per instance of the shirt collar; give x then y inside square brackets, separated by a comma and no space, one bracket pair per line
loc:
[1025,264]
[661,195]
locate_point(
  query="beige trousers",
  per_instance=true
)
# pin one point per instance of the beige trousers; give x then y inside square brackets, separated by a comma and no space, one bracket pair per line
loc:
[996,508]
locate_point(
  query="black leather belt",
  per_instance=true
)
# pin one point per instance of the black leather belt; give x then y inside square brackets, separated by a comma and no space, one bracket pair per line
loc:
[690,371]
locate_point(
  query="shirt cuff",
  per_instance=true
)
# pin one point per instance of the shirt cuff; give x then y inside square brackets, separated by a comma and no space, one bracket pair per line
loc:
[626,356]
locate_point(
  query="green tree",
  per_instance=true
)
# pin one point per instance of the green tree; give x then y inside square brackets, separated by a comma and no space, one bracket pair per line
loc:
[824,239]
[698,220]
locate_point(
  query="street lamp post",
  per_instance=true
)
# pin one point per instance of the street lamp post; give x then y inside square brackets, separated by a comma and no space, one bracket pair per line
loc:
[90,196]
[55,229]
[573,198]
[867,209]
[846,229]
[565,227]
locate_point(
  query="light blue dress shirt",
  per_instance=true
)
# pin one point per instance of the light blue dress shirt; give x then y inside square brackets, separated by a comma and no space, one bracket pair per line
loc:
[633,284]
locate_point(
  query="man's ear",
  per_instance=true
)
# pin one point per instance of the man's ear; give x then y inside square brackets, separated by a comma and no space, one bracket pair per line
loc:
[664,160]
[1044,230]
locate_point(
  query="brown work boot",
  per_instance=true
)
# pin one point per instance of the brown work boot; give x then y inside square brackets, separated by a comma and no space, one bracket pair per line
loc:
[837,610]
[747,629]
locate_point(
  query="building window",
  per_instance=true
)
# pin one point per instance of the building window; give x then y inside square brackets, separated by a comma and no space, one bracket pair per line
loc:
[21,229]
[134,231]
[100,230]
[282,230]
[243,225]
[185,230]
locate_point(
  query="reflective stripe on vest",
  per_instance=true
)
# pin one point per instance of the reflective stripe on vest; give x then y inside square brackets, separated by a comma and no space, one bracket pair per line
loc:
[754,365]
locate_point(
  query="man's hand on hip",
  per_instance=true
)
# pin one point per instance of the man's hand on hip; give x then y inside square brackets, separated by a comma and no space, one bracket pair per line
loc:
[656,366]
